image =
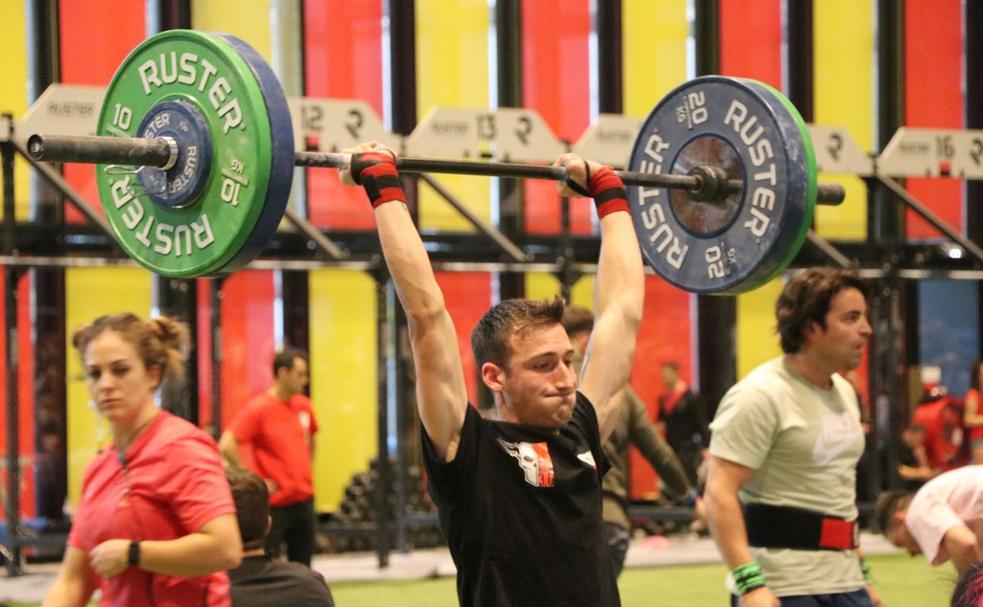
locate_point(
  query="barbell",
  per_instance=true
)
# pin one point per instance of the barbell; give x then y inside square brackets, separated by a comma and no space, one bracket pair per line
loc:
[195,156]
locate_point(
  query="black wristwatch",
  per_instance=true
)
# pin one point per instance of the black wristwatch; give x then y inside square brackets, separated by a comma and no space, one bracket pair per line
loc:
[133,556]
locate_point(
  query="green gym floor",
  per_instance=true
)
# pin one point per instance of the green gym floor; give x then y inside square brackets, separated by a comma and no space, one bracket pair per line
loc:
[901,580]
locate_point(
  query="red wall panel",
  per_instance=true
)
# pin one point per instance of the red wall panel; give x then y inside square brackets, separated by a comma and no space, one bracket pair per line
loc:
[750,40]
[665,336]
[3,360]
[555,82]
[204,350]
[343,59]
[467,296]
[25,395]
[94,37]
[3,379]
[934,98]
[248,344]
[660,341]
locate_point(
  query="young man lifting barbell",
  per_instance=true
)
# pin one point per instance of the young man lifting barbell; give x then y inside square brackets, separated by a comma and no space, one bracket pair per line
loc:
[519,498]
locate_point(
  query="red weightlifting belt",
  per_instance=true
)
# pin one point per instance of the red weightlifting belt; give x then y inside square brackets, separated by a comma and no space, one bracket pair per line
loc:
[787,527]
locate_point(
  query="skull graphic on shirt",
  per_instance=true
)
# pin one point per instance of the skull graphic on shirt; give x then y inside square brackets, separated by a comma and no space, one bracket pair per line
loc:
[534,459]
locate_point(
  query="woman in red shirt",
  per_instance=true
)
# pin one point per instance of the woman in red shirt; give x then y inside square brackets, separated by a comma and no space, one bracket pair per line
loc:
[973,416]
[156,524]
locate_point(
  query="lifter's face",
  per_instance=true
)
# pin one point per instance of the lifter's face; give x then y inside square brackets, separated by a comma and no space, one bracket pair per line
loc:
[841,342]
[538,386]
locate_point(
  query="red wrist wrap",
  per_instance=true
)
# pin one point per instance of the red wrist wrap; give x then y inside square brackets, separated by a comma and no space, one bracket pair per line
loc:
[377,173]
[608,192]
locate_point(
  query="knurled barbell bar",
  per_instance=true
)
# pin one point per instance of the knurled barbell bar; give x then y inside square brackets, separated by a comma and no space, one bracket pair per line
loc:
[702,182]
[725,169]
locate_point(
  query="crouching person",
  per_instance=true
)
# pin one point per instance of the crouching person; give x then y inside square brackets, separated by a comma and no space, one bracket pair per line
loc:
[260,581]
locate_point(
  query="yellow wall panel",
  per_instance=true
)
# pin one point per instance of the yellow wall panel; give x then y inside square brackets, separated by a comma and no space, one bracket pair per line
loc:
[343,379]
[756,339]
[452,71]
[90,293]
[844,96]
[654,34]
[13,87]
[246,19]
[540,285]
[582,293]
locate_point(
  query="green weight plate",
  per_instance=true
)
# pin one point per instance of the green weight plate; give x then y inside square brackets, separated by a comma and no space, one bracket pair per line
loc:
[282,156]
[211,228]
[780,102]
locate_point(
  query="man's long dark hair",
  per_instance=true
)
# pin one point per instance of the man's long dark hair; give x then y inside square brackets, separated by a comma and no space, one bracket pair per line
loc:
[806,298]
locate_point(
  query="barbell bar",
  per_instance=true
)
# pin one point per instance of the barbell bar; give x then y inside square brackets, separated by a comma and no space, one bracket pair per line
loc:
[162,154]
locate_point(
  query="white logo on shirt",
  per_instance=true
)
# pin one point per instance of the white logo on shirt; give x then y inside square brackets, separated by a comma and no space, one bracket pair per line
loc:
[588,458]
[836,434]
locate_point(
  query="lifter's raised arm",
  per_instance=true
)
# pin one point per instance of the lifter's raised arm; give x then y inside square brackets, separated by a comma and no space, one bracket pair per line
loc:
[619,289]
[440,389]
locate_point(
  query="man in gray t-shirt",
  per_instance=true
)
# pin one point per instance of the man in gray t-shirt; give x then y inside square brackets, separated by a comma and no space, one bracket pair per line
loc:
[780,492]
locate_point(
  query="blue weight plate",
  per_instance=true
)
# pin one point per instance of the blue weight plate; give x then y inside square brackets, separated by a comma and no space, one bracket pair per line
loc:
[180,185]
[282,161]
[731,245]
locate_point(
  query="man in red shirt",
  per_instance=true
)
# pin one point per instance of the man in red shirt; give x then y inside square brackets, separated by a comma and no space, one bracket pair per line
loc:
[278,426]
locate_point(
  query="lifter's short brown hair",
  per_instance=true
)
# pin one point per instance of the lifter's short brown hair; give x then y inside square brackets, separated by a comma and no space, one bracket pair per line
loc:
[806,298]
[490,337]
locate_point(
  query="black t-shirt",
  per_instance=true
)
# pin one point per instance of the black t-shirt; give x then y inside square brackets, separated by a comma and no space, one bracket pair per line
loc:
[261,582]
[521,510]
[686,425]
